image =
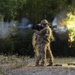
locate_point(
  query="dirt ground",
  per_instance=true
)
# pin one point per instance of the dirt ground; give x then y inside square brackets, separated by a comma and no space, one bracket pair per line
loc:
[26,67]
[40,70]
[31,70]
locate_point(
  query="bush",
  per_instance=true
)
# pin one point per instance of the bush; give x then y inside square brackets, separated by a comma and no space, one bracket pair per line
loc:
[20,44]
[23,42]
[6,46]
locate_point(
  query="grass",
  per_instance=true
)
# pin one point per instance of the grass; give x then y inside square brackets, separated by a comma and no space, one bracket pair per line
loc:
[14,62]
[64,60]
[2,71]
[18,62]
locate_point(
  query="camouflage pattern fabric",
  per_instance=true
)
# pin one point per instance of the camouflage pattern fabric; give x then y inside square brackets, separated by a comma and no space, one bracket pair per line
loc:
[43,46]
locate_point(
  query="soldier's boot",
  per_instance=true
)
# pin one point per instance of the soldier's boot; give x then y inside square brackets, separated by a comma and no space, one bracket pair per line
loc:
[37,61]
[50,62]
[43,62]
[37,64]
[51,59]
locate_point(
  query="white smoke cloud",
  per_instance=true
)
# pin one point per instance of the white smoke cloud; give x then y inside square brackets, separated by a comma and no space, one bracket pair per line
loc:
[6,27]
[59,29]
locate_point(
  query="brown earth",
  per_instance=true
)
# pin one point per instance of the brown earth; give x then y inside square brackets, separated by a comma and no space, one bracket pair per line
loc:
[40,70]
[25,66]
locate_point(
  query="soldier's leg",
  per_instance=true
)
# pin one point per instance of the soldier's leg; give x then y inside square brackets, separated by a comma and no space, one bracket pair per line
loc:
[36,50]
[43,54]
[38,59]
[38,55]
[50,56]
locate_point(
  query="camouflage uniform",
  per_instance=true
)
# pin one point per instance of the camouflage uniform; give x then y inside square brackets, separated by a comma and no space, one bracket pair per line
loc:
[43,44]
[34,43]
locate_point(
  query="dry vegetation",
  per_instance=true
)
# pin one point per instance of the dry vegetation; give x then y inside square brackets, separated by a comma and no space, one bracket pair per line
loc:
[12,65]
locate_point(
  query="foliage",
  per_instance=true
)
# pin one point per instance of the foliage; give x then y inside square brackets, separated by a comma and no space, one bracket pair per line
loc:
[6,46]
[35,11]
[19,44]
[22,42]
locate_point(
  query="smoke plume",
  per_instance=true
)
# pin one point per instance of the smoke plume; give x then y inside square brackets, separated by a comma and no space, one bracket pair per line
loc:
[58,27]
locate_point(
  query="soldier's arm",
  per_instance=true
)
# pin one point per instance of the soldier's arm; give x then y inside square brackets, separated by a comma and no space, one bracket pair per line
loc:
[43,31]
[37,32]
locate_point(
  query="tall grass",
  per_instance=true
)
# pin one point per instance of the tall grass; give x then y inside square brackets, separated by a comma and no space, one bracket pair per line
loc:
[23,61]
[64,60]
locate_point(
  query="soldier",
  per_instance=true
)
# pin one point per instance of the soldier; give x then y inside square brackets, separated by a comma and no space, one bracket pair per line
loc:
[35,40]
[43,44]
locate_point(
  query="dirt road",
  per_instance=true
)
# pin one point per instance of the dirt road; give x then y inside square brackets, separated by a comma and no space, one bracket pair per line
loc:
[32,70]
[41,71]
[16,66]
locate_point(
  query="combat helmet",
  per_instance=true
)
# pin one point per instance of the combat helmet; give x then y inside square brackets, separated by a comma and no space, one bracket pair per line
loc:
[44,21]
